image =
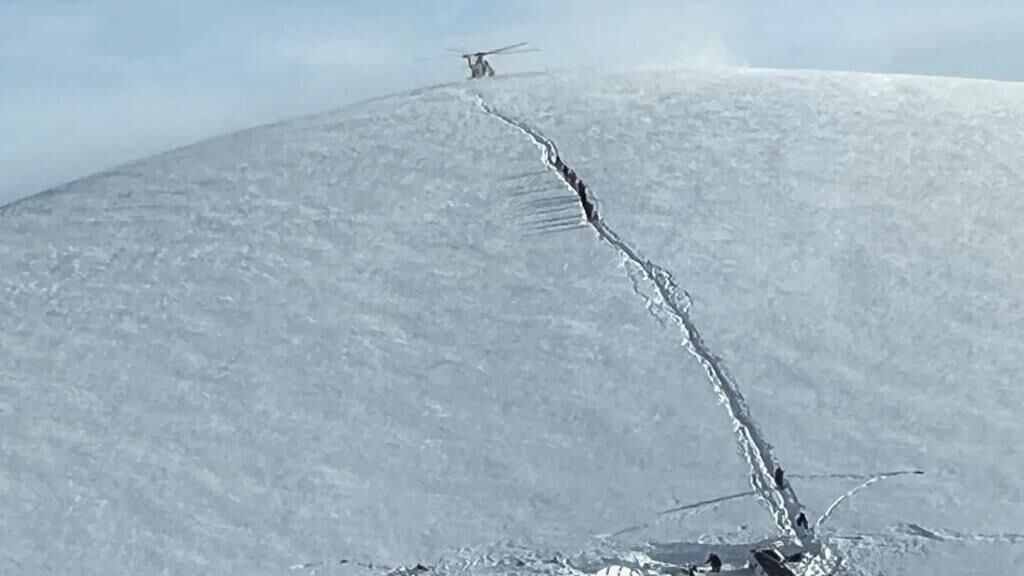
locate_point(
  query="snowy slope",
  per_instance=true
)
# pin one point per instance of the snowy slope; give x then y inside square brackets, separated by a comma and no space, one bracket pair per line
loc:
[852,245]
[372,334]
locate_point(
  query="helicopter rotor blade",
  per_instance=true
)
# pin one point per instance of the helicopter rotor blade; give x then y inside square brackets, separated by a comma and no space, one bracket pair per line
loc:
[509,47]
[526,51]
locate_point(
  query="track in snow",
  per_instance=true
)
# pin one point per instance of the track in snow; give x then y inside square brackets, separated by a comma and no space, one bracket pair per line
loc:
[878,478]
[942,535]
[756,450]
[695,508]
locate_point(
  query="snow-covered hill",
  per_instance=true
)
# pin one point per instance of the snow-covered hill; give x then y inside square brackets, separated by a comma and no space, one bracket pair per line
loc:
[385,333]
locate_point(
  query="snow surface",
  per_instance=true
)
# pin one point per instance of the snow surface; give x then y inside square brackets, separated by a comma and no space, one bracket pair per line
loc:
[375,335]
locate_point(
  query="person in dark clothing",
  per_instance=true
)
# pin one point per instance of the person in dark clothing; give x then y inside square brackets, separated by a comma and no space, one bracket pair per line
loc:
[778,478]
[588,208]
[801,521]
[715,562]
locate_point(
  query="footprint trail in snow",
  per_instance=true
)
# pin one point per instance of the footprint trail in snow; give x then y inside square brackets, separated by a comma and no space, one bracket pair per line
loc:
[661,293]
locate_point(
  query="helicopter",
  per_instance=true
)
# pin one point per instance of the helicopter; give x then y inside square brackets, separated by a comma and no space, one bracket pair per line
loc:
[479,67]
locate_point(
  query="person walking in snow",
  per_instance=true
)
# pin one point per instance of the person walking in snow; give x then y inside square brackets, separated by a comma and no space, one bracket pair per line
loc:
[801,521]
[779,477]
[715,562]
[588,208]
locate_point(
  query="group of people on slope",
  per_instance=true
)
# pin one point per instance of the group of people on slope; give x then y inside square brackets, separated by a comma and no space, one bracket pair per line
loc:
[780,483]
[579,187]
[714,563]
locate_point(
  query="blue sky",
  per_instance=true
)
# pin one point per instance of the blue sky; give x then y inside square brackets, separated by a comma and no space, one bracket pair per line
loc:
[86,85]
